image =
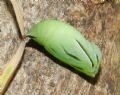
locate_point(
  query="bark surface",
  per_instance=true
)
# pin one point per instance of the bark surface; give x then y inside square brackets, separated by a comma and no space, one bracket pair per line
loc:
[40,73]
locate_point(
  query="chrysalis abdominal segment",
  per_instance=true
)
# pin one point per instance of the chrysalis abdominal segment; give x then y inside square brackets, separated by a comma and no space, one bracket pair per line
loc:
[68,45]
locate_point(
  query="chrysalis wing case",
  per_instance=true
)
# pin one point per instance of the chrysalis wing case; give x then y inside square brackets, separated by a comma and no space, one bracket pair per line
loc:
[68,45]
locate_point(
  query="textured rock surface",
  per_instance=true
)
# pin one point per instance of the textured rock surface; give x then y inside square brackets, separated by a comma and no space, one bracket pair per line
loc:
[41,74]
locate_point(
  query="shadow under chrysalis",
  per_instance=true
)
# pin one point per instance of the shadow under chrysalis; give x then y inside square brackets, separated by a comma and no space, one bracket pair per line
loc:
[35,45]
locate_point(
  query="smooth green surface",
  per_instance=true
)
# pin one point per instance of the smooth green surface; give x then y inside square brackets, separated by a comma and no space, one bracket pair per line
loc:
[68,45]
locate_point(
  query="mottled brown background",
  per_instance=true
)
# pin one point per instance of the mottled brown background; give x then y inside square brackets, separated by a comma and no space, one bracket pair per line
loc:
[41,74]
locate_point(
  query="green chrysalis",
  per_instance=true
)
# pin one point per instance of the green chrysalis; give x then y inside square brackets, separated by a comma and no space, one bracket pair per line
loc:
[68,45]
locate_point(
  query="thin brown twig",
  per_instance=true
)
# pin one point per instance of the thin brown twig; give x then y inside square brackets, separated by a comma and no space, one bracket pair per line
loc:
[19,16]
[11,67]
[13,64]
